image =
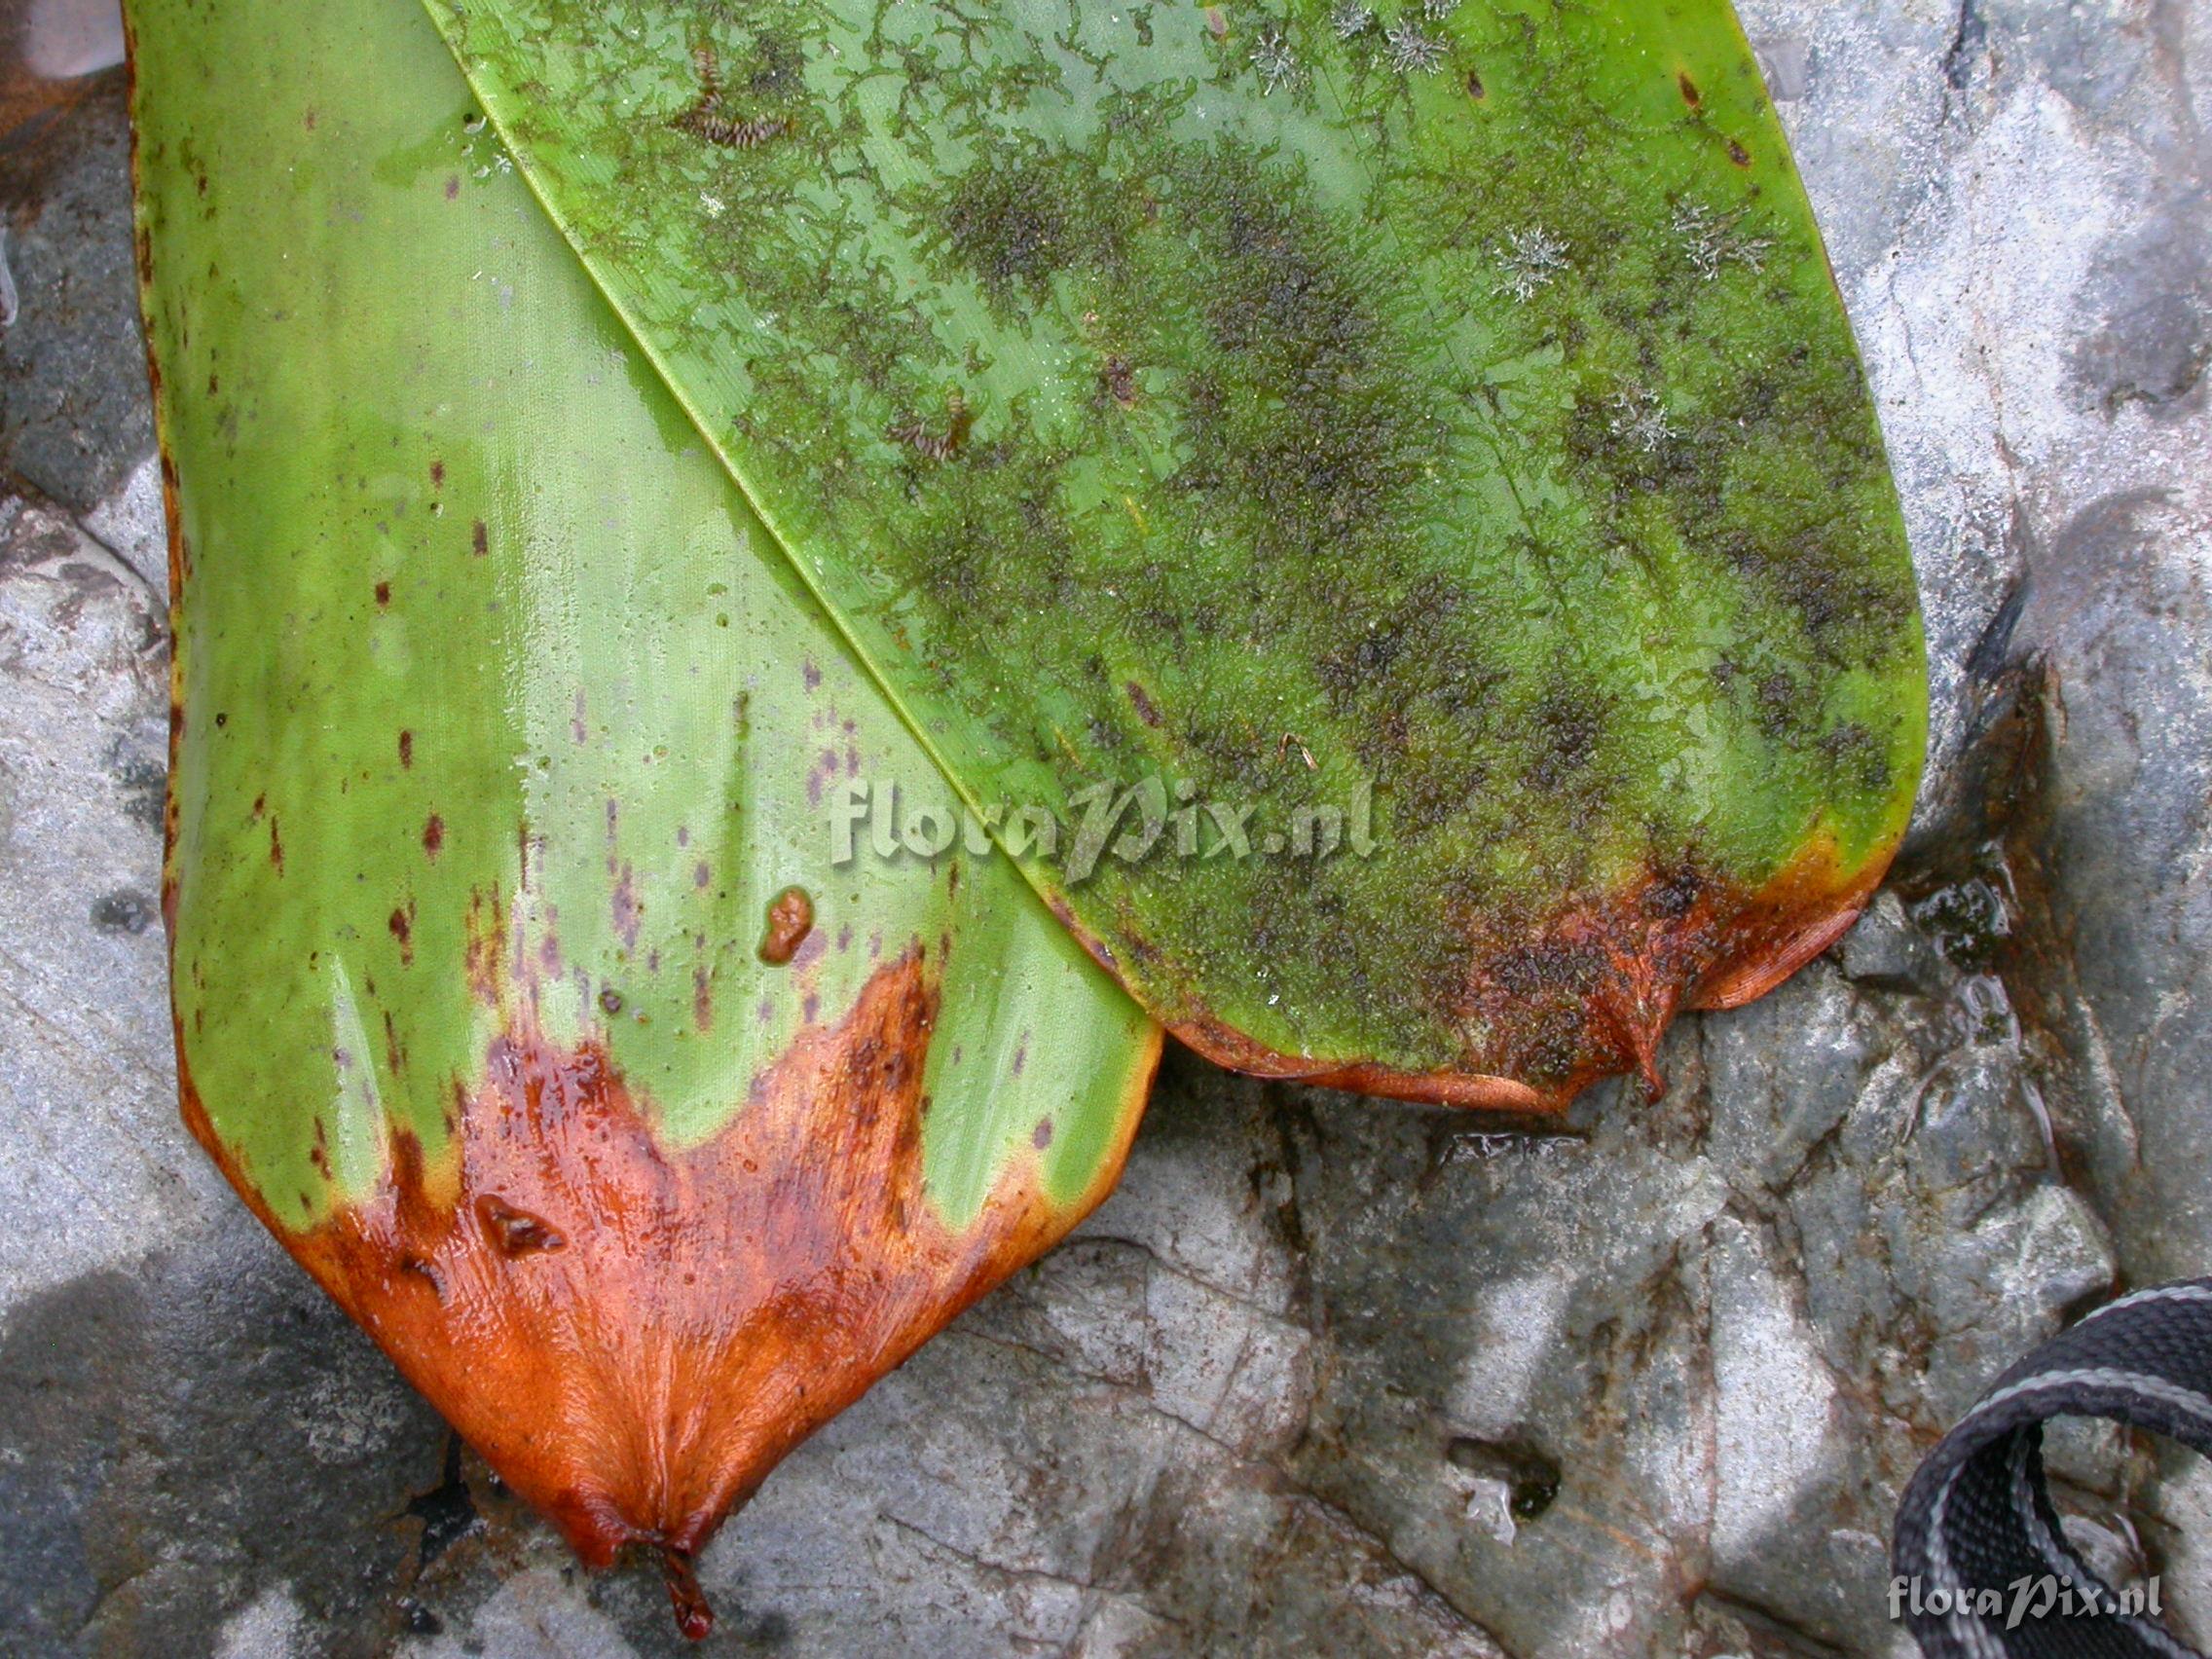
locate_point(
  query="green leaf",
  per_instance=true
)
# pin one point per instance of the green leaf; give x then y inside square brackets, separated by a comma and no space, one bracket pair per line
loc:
[518,984]
[1444,419]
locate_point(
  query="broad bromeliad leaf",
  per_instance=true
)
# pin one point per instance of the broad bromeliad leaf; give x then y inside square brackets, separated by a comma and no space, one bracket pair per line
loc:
[1440,416]
[517,985]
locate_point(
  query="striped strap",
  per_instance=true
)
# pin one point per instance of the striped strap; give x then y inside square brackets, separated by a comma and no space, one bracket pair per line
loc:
[1977,1523]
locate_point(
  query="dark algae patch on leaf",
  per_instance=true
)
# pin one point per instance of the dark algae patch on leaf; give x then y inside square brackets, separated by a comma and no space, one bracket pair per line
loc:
[1467,395]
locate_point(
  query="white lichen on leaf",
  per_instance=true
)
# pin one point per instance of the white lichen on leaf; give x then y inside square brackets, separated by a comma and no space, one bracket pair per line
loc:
[1709,239]
[1531,258]
[1273,57]
[1410,51]
[1640,420]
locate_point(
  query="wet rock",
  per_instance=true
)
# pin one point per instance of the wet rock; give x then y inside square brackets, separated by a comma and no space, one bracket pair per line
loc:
[174,1474]
[94,1168]
[74,415]
[128,521]
[2151,301]
[1883,951]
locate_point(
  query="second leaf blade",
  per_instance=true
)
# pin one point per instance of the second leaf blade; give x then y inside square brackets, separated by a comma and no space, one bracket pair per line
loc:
[1265,421]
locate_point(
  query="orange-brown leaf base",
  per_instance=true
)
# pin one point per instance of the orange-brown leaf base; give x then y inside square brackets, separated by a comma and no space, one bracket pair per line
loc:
[1590,994]
[633,1336]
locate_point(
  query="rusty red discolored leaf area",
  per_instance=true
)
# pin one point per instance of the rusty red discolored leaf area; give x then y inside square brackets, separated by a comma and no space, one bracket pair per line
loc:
[1590,992]
[633,1336]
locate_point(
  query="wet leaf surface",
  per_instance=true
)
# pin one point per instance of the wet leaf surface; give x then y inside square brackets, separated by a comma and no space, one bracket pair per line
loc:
[497,740]
[1442,427]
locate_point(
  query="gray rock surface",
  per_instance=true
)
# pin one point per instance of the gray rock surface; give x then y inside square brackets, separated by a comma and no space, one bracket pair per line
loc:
[74,416]
[1326,1375]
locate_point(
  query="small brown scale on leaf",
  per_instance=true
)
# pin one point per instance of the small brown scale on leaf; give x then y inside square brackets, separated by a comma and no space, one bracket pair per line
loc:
[1119,379]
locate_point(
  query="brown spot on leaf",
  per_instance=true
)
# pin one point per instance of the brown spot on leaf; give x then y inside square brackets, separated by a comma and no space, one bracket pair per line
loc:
[434,835]
[624,909]
[791,918]
[422,1271]
[1141,701]
[406,748]
[515,1233]
[1690,94]
[479,539]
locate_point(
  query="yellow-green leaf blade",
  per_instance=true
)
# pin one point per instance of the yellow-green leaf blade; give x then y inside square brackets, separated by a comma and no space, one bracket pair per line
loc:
[502,732]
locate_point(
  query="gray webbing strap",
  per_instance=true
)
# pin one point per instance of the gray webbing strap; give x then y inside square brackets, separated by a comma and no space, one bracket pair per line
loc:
[1977,1523]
